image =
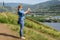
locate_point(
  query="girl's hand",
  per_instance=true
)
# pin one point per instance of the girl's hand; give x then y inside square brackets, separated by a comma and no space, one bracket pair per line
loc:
[29,9]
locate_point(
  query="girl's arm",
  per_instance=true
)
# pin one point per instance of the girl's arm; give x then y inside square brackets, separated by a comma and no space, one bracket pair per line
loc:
[27,11]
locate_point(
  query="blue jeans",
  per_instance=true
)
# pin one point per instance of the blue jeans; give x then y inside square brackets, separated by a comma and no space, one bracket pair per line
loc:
[21,27]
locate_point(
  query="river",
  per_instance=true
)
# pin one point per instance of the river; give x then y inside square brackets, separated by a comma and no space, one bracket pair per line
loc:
[53,25]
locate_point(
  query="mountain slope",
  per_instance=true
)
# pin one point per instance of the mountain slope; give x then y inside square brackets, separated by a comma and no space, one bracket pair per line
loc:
[31,28]
[48,4]
[48,7]
[6,33]
[41,7]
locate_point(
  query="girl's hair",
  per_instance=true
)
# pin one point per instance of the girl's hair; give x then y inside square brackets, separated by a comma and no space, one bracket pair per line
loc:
[19,7]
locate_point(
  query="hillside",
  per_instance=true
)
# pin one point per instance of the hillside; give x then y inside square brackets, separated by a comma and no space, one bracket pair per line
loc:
[47,8]
[6,33]
[15,5]
[47,4]
[44,8]
[33,30]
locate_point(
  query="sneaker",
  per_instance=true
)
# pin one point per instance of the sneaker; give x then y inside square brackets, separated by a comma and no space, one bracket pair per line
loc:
[22,37]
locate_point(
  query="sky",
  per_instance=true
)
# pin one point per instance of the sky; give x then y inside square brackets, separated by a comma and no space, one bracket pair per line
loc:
[24,1]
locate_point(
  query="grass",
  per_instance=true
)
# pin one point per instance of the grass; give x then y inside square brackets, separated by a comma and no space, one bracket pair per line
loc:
[10,18]
[28,33]
[38,18]
[42,28]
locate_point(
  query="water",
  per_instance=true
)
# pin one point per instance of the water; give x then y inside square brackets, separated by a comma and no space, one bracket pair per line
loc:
[54,25]
[56,17]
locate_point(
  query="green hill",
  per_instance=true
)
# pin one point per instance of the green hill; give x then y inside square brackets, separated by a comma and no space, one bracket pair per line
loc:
[33,30]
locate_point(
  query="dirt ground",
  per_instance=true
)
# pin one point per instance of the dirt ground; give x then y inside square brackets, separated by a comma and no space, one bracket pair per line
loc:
[7,34]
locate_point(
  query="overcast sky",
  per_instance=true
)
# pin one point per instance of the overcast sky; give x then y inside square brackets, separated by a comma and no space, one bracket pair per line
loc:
[23,1]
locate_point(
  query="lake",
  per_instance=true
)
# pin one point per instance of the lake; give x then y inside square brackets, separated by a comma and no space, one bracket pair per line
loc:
[53,25]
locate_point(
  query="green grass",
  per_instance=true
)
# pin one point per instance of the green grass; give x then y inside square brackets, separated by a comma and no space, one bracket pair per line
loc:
[28,33]
[11,18]
[42,28]
[29,23]
[38,18]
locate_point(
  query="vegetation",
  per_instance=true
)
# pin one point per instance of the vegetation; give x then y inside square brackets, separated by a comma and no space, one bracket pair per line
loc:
[28,33]
[44,18]
[32,30]
[42,28]
[38,18]
[51,7]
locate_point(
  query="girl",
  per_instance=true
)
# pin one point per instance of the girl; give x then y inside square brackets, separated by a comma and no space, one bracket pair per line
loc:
[21,14]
